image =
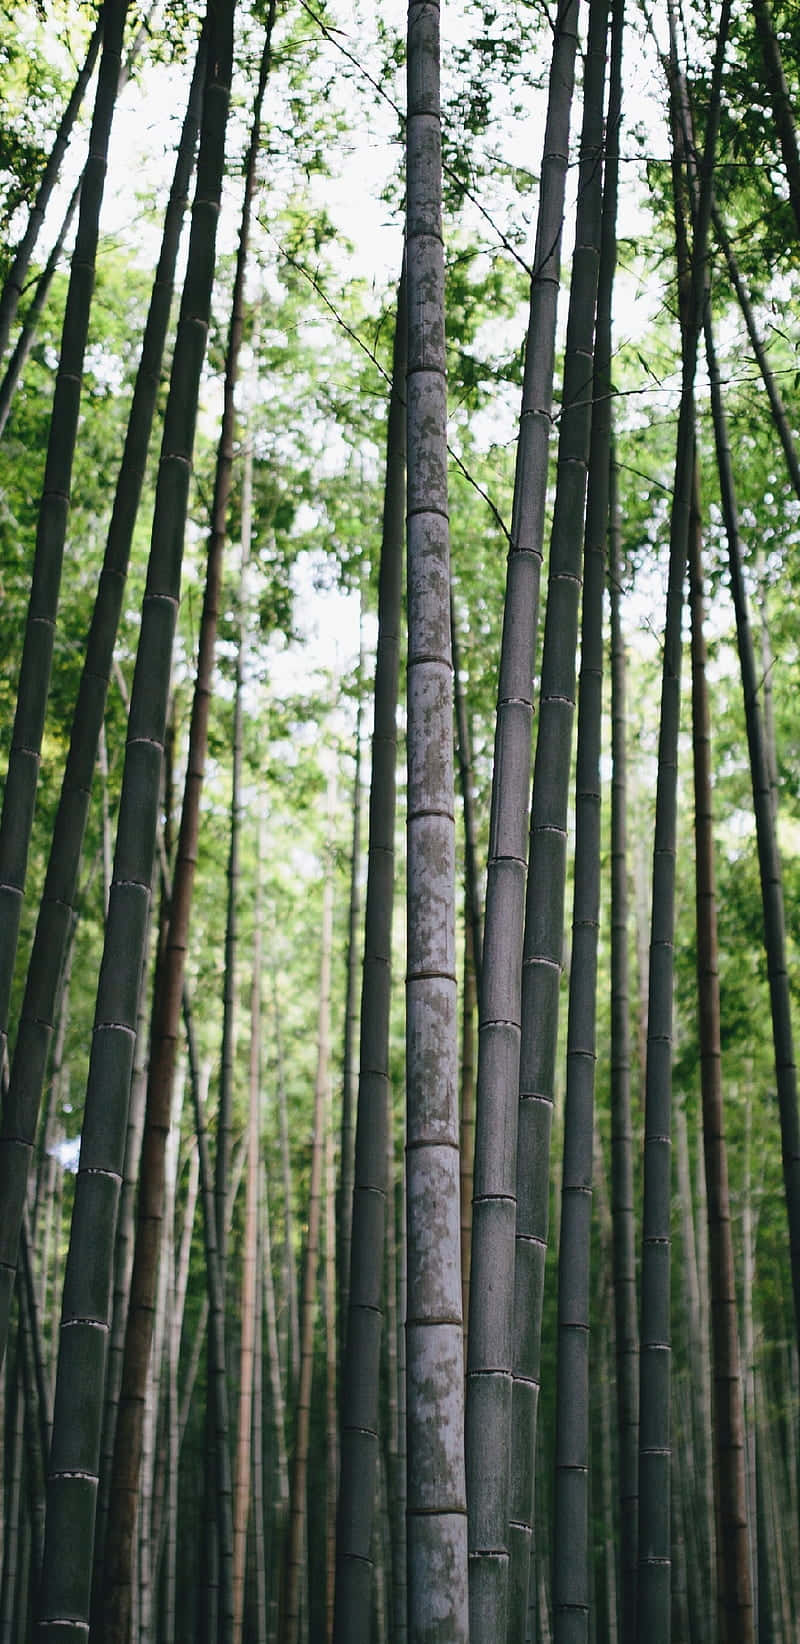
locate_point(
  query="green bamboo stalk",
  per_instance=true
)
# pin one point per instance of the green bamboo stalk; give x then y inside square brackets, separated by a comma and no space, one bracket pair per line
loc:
[734,1596]
[34,676]
[241,1490]
[571,1523]
[654,1361]
[436,1510]
[25,340]
[296,1573]
[466,1112]
[780,100]
[360,1368]
[544,911]
[490,1347]
[33,311]
[344,1201]
[127,1445]
[463,750]
[14,283]
[622,1205]
[57,912]
[72,1486]
[768,853]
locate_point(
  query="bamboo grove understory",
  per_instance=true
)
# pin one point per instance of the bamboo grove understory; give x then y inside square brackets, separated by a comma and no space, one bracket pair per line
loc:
[400,833]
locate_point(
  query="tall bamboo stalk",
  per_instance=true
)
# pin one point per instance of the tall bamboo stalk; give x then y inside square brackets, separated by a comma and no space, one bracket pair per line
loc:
[361,1362]
[293,1595]
[241,1489]
[72,1484]
[57,912]
[571,1522]
[436,1521]
[495,1495]
[14,283]
[768,853]
[654,1361]
[622,1205]
[544,911]
[734,1597]
[347,1132]
[19,794]
[167,1015]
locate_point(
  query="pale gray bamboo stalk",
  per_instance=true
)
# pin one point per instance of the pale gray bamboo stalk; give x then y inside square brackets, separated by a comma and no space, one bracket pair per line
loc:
[571,1522]
[151,1484]
[296,1573]
[654,1359]
[495,1489]
[695,1478]
[180,1280]
[289,1265]
[241,1488]
[331,1422]
[361,1363]
[544,912]
[277,1406]
[463,750]
[622,1201]
[257,1441]
[466,1113]
[344,1200]
[436,1509]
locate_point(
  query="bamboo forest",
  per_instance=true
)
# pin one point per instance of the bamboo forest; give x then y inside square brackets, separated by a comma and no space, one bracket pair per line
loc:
[400,831]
